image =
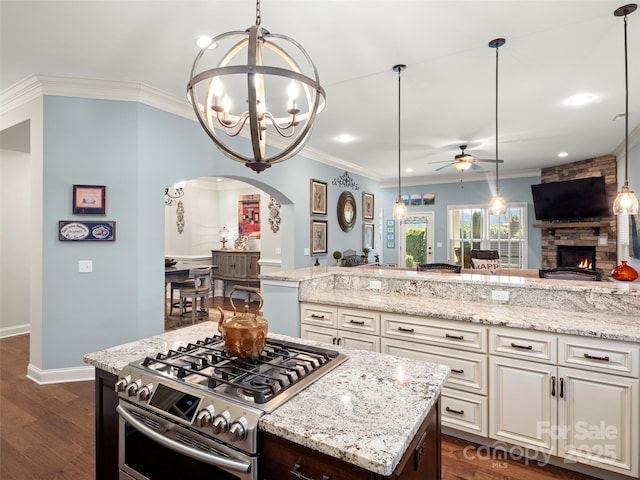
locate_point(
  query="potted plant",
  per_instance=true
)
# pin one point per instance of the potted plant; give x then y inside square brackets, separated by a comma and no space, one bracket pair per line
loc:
[337,255]
[365,255]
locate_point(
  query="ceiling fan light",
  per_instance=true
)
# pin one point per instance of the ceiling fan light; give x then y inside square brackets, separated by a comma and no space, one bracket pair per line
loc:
[462,166]
[626,203]
[399,211]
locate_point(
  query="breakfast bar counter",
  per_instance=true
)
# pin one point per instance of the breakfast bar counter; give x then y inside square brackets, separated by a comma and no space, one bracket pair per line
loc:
[594,309]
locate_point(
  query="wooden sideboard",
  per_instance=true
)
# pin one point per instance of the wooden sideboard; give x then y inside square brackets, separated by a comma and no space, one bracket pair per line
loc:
[236,266]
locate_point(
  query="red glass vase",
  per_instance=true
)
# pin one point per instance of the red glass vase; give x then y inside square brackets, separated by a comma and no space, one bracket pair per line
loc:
[624,273]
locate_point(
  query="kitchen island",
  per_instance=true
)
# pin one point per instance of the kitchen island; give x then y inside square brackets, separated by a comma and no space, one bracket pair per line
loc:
[373,413]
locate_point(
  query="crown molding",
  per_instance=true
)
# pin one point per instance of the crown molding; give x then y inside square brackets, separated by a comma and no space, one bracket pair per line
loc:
[35,85]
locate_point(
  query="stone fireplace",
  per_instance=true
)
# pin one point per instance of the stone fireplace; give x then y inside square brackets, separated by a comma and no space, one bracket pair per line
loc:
[598,236]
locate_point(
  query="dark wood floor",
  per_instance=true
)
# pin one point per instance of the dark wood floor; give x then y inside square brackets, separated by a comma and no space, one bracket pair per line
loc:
[47,432]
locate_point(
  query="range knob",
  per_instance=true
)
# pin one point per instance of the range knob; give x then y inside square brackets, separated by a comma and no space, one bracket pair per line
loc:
[145,392]
[239,430]
[132,389]
[122,383]
[204,417]
[221,422]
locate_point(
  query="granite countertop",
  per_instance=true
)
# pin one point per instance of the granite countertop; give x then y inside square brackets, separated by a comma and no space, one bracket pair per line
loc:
[602,325]
[366,411]
[309,273]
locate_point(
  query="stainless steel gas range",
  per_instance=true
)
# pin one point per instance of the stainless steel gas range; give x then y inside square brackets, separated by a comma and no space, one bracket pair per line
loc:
[196,408]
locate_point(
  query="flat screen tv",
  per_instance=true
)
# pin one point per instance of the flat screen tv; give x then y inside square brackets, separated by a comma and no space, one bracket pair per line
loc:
[571,200]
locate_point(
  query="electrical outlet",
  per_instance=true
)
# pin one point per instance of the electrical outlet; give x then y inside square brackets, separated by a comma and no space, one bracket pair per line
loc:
[500,295]
[85,266]
[375,284]
[278,251]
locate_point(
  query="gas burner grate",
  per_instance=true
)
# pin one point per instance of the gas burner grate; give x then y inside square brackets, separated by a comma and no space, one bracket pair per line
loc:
[279,367]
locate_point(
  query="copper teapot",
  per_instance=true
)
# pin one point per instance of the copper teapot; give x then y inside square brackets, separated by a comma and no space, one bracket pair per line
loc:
[244,334]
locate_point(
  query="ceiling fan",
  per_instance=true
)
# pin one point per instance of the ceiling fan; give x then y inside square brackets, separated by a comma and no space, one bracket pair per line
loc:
[464,161]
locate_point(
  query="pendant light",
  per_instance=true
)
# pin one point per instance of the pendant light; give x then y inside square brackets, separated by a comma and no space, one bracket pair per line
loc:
[497,205]
[261,84]
[626,203]
[399,208]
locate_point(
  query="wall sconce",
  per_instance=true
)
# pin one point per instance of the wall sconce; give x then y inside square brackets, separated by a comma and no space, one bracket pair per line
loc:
[224,237]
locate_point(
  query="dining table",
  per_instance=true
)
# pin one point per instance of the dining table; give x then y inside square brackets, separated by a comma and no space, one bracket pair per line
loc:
[179,272]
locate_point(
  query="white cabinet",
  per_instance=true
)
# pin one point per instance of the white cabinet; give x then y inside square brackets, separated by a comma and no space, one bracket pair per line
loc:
[577,414]
[460,346]
[350,328]
[598,414]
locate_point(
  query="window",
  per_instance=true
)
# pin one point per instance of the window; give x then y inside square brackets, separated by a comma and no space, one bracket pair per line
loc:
[473,227]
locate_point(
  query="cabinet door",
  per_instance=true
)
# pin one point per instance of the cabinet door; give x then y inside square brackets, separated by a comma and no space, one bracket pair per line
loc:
[522,404]
[598,418]
[225,265]
[239,268]
[253,267]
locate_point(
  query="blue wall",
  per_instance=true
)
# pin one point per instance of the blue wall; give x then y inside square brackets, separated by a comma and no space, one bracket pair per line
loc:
[136,151]
[465,193]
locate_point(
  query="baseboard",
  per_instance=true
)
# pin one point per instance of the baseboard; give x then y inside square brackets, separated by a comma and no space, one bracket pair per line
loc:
[60,375]
[14,330]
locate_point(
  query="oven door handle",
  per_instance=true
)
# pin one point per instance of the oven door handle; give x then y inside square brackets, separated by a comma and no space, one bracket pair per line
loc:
[222,462]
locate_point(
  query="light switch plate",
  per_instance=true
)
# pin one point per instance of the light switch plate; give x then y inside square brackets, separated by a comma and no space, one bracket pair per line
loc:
[85,266]
[307,251]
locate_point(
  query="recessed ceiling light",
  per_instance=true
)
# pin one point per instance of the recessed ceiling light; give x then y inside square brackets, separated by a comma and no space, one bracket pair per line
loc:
[344,138]
[580,100]
[409,170]
[218,179]
[563,154]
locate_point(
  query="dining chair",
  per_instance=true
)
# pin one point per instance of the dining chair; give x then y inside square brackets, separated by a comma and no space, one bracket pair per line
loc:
[198,290]
[487,260]
[439,267]
[570,273]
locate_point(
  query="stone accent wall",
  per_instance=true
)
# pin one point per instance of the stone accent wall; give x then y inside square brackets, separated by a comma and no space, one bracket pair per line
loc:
[606,255]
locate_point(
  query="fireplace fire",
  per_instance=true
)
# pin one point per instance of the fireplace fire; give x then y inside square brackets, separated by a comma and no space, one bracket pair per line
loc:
[581,256]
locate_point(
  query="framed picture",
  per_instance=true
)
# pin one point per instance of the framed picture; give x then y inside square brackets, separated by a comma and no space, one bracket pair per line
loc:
[367,236]
[318,237]
[89,200]
[367,206]
[318,197]
[71,231]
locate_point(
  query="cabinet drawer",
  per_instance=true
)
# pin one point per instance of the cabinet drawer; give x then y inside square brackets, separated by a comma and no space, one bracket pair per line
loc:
[600,355]
[468,369]
[433,331]
[358,341]
[359,321]
[510,342]
[465,411]
[321,315]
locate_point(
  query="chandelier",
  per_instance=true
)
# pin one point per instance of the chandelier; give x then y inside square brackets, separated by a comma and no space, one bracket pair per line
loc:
[497,205]
[260,84]
[626,203]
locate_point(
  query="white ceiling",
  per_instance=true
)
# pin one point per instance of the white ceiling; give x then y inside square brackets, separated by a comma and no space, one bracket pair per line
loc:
[554,50]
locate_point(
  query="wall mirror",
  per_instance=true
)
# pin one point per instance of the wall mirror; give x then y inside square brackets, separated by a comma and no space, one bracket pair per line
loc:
[346,211]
